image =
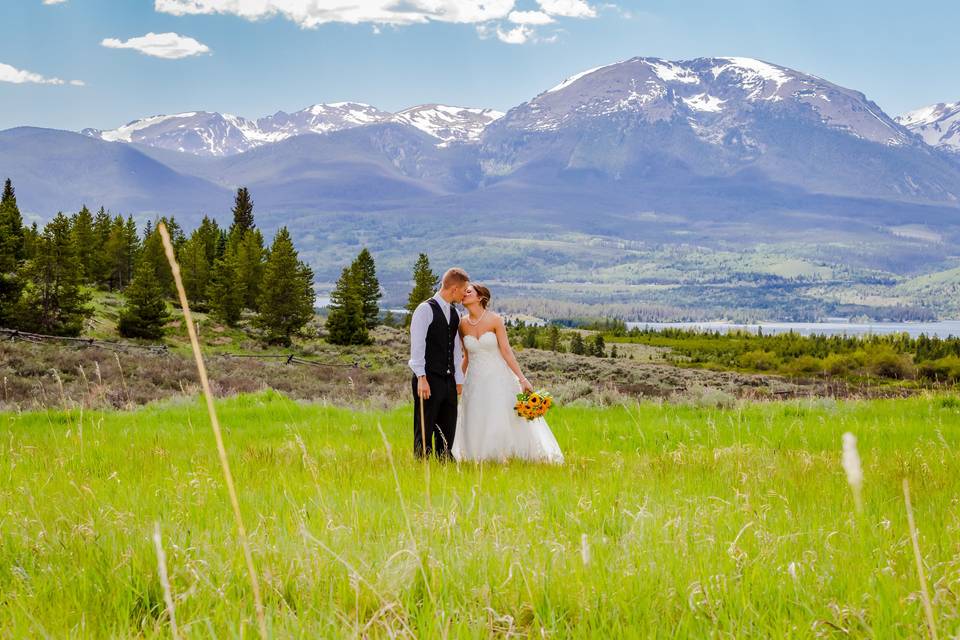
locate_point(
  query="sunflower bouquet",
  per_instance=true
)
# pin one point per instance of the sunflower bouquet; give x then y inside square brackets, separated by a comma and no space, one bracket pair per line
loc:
[533,405]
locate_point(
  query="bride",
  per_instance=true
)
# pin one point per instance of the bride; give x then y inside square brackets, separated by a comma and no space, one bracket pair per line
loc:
[487,426]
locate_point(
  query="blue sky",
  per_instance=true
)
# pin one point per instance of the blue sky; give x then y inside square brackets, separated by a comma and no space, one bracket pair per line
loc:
[258,64]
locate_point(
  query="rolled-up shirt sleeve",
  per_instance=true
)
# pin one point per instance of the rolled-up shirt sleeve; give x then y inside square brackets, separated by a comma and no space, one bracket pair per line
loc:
[458,356]
[419,324]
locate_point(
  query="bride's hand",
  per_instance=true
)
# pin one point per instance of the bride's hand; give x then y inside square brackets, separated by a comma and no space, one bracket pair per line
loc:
[525,385]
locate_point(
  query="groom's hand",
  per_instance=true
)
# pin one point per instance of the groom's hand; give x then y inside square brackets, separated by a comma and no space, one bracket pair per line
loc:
[423,387]
[459,389]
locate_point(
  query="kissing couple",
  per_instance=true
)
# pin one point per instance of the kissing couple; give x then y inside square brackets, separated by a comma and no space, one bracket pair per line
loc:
[469,359]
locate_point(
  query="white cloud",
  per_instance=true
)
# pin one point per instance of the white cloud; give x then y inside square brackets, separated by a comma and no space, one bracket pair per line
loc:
[518,35]
[491,17]
[312,13]
[19,76]
[529,17]
[567,8]
[170,46]
[54,1]
[78,83]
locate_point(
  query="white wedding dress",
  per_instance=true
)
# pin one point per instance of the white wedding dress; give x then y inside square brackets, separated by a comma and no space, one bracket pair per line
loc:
[488,428]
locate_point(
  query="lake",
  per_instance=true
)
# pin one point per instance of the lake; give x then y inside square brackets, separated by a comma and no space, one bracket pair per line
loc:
[941,329]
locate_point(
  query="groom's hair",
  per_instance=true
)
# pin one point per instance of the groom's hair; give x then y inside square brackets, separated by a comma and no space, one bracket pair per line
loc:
[455,277]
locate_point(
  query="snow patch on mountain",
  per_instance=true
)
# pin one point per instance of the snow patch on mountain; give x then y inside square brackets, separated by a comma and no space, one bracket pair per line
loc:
[569,81]
[672,72]
[129,130]
[704,102]
[449,124]
[754,75]
[938,125]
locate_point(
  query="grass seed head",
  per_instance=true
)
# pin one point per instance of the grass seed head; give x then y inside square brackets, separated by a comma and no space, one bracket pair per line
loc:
[851,464]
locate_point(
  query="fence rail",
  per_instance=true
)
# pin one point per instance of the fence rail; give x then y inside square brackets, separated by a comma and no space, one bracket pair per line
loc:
[288,358]
[39,338]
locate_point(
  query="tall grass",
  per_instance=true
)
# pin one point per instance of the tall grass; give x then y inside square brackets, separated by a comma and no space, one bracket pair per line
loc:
[666,521]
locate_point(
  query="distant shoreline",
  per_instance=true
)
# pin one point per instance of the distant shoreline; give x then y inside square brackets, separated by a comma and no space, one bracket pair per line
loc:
[940,329]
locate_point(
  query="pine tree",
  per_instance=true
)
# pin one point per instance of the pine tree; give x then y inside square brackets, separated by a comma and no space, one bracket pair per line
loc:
[250,263]
[31,240]
[242,214]
[11,252]
[195,268]
[154,255]
[345,322]
[576,344]
[9,194]
[598,347]
[613,352]
[85,243]
[553,338]
[368,287]
[287,298]
[226,292]
[530,337]
[145,312]
[209,232]
[132,249]
[117,259]
[53,301]
[425,283]
[11,230]
[102,224]
[177,237]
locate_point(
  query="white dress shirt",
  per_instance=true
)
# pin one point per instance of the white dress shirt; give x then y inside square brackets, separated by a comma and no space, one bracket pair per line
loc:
[419,324]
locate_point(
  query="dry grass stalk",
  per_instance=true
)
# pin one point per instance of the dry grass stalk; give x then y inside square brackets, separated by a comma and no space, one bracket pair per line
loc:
[423,446]
[927,605]
[851,464]
[123,381]
[406,516]
[63,396]
[215,424]
[165,581]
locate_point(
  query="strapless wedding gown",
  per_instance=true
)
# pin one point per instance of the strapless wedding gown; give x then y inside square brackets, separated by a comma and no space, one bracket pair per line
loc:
[488,428]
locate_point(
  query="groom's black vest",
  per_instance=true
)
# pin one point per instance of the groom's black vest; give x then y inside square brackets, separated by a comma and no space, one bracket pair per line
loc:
[440,339]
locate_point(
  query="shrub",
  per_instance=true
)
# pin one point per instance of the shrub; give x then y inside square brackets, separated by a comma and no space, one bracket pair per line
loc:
[841,364]
[759,360]
[886,363]
[945,369]
[803,366]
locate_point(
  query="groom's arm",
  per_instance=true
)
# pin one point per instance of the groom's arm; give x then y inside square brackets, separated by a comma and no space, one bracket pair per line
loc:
[419,324]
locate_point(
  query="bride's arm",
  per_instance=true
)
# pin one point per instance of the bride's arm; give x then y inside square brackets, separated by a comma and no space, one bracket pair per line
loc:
[508,356]
[466,354]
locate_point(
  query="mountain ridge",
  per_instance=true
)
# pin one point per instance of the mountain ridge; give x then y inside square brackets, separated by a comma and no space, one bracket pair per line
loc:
[216,134]
[938,125]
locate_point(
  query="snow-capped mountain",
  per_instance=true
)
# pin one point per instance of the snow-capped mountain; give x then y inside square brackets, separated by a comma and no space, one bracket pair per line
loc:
[712,95]
[196,132]
[938,125]
[215,134]
[321,118]
[721,117]
[450,124]
[710,136]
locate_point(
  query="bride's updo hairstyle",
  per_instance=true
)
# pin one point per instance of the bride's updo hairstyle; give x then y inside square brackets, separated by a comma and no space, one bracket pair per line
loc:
[483,293]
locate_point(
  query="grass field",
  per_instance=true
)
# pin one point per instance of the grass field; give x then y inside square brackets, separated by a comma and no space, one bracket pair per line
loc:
[666,521]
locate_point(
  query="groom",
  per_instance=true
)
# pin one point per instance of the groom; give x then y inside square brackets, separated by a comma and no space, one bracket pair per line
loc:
[436,355]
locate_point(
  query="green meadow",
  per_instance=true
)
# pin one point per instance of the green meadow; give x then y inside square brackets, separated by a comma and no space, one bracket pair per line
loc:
[667,520]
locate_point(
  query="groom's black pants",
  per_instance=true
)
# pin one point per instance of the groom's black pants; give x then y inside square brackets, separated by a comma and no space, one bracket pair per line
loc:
[440,415]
